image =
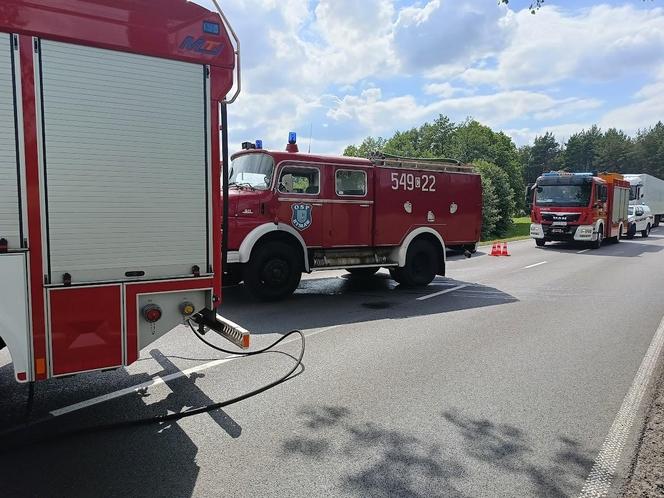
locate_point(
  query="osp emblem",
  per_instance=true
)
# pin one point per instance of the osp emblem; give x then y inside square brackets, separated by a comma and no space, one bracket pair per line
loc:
[301,216]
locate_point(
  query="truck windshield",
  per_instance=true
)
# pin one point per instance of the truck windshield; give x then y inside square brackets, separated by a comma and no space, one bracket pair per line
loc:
[252,170]
[563,195]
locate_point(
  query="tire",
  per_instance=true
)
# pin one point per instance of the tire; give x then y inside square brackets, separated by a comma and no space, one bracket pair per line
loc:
[646,232]
[540,242]
[421,265]
[363,272]
[616,239]
[273,272]
[657,220]
[631,231]
[600,238]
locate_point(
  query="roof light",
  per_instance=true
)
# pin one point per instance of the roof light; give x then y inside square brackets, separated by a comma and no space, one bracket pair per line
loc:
[292,137]
[259,144]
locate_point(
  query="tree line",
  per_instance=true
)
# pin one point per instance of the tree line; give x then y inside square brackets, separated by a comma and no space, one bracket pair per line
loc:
[506,169]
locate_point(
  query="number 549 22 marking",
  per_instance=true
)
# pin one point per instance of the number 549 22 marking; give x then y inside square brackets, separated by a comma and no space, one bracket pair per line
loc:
[409,181]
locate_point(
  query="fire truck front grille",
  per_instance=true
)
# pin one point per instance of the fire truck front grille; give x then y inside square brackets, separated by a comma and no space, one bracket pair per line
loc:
[568,218]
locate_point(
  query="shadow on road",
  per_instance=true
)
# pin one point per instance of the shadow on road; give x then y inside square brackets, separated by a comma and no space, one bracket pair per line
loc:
[347,299]
[396,463]
[158,460]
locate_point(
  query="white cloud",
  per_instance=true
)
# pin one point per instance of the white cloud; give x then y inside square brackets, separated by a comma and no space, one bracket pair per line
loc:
[599,44]
[443,32]
[444,90]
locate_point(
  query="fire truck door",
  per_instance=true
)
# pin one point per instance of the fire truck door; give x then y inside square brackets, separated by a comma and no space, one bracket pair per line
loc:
[300,205]
[351,222]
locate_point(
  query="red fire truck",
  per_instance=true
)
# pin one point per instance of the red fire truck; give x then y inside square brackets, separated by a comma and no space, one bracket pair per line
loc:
[109,169]
[292,212]
[579,207]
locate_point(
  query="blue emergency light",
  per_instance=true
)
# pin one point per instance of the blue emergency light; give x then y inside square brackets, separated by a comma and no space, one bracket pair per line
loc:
[292,137]
[259,144]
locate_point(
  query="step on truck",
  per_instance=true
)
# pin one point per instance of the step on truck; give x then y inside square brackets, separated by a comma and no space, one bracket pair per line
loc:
[648,190]
[109,164]
[579,207]
[291,212]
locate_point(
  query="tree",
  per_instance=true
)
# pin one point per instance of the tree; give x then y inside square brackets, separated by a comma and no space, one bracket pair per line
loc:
[368,145]
[544,155]
[615,151]
[504,204]
[582,150]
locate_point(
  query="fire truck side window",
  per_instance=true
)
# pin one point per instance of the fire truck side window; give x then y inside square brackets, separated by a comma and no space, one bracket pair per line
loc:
[294,180]
[351,182]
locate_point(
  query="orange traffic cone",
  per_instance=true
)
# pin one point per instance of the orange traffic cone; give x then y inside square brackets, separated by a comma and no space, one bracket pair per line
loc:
[495,249]
[503,251]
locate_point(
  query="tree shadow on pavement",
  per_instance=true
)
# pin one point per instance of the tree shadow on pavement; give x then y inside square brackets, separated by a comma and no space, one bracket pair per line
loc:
[393,463]
[508,449]
[387,462]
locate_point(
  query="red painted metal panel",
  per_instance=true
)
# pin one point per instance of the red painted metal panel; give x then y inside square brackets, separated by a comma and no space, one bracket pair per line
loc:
[86,328]
[35,254]
[133,290]
[172,29]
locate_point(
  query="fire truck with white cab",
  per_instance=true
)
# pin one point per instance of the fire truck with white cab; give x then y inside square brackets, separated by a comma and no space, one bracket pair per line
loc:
[291,212]
[110,115]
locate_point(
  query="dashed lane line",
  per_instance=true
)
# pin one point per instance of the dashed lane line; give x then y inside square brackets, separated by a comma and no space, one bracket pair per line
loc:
[536,264]
[440,293]
[584,250]
[599,480]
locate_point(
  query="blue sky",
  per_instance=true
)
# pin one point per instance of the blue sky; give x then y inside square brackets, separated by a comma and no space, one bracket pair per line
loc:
[350,69]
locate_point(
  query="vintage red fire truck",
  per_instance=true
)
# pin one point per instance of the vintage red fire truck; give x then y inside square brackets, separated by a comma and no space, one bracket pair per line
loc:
[109,173]
[579,207]
[292,212]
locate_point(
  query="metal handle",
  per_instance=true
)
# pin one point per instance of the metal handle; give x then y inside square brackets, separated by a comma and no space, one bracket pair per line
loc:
[236,52]
[365,205]
[316,204]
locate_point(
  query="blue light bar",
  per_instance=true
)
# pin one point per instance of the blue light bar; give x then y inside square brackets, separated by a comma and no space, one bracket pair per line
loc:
[259,144]
[292,137]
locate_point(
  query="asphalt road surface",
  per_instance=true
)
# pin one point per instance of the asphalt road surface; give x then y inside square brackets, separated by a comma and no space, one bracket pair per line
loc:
[503,379]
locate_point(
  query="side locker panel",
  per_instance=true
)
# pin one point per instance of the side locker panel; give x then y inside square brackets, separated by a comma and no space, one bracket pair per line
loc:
[14,327]
[125,164]
[10,215]
[86,328]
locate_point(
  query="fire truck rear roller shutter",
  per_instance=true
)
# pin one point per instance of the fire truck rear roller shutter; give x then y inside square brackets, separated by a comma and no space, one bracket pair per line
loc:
[125,152]
[9,191]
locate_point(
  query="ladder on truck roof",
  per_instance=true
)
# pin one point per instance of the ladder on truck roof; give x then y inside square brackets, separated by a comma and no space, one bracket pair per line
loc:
[434,164]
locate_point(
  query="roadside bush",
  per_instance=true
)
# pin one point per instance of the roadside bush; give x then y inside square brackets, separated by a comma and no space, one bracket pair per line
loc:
[498,205]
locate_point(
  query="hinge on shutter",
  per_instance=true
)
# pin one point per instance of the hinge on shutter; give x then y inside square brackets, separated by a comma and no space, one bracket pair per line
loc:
[15,41]
[46,281]
[207,71]
[36,45]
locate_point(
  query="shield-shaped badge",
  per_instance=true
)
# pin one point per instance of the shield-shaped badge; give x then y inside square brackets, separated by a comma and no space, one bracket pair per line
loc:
[301,216]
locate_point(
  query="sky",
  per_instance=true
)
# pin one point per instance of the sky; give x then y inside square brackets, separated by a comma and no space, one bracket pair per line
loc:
[347,69]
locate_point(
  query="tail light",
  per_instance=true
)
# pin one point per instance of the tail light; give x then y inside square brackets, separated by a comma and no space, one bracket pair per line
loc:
[151,313]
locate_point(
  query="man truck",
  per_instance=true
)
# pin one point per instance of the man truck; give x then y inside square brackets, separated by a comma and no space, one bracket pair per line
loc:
[579,207]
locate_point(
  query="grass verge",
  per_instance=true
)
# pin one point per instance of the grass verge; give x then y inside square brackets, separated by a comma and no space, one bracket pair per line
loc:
[520,230]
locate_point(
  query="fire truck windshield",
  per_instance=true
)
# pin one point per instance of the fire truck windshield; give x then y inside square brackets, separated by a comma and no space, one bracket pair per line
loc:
[253,170]
[563,195]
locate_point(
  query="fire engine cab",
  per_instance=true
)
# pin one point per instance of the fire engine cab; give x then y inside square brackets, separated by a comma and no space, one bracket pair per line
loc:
[579,207]
[291,212]
[110,114]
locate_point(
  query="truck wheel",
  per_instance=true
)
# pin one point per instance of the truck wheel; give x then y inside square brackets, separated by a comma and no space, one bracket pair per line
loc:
[540,242]
[421,265]
[631,231]
[362,272]
[274,271]
[646,232]
[600,238]
[657,220]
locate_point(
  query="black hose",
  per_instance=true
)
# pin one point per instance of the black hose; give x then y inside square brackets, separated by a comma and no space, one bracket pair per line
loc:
[188,413]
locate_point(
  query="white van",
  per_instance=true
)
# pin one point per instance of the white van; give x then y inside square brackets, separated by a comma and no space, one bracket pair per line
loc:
[640,219]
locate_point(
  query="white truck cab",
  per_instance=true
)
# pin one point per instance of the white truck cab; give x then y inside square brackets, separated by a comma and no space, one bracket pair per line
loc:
[640,219]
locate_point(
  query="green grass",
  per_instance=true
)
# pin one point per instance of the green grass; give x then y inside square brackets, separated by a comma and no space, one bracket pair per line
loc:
[520,230]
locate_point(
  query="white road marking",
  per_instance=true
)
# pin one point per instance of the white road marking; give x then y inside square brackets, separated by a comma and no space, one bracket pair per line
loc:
[162,380]
[533,266]
[581,252]
[599,481]
[138,387]
[435,294]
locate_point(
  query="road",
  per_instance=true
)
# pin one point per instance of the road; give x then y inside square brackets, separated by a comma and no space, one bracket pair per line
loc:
[505,385]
